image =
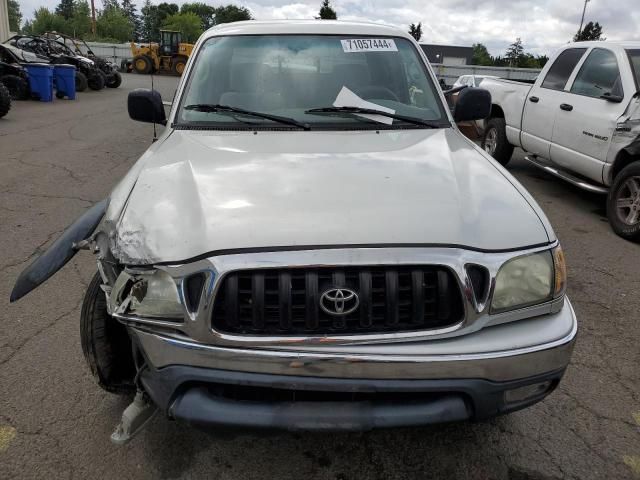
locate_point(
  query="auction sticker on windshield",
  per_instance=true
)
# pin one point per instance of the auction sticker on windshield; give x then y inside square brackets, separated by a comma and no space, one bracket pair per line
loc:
[369,45]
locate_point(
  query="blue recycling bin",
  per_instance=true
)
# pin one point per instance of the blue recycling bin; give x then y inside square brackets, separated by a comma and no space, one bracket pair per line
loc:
[64,79]
[41,80]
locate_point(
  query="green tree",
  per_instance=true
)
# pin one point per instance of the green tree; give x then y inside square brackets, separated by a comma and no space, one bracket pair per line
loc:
[188,23]
[66,9]
[231,13]
[129,11]
[542,60]
[15,15]
[150,24]
[527,60]
[591,31]
[111,24]
[79,25]
[110,5]
[46,21]
[166,9]
[327,12]
[205,12]
[153,17]
[514,53]
[481,55]
[416,31]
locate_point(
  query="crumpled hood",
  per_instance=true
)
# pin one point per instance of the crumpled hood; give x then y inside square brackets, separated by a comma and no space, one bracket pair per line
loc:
[200,192]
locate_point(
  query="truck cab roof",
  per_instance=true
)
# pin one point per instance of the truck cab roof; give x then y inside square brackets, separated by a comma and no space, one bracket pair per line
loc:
[284,27]
[613,45]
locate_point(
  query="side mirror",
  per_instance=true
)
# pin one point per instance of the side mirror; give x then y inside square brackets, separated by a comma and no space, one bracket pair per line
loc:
[145,105]
[473,104]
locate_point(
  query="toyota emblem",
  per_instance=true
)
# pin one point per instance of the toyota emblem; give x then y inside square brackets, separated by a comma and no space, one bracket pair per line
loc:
[339,301]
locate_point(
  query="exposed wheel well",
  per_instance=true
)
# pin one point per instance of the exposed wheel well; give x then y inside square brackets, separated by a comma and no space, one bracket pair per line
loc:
[496,111]
[624,158]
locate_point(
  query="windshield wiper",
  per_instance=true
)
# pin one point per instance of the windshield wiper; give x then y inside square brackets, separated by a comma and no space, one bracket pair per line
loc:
[371,111]
[216,108]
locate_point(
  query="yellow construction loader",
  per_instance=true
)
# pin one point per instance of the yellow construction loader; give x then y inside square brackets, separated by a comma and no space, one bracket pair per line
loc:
[170,55]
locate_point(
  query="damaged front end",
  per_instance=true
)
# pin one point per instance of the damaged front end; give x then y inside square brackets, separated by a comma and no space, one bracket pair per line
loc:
[114,293]
[625,141]
[74,238]
[146,293]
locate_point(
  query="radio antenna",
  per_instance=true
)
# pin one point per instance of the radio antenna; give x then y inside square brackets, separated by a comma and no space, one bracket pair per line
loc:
[155,135]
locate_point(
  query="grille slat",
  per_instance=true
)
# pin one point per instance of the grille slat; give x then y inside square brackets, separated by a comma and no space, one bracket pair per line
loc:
[366,314]
[417,290]
[312,307]
[391,280]
[285,300]
[257,301]
[231,300]
[443,295]
[281,302]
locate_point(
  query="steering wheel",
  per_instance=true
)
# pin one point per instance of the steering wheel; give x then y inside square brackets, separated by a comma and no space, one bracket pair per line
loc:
[377,91]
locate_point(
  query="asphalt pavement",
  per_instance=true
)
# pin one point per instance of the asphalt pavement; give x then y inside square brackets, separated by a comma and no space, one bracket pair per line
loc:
[58,159]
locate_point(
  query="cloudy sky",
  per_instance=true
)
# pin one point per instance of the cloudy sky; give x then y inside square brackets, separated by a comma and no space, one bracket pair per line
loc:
[543,25]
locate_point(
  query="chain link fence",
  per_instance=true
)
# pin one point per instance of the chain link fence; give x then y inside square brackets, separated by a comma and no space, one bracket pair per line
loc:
[115,52]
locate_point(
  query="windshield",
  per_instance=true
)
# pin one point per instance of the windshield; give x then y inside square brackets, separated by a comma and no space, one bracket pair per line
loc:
[634,57]
[288,75]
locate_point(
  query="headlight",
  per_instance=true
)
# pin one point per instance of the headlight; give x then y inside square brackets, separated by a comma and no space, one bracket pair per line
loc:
[529,280]
[147,294]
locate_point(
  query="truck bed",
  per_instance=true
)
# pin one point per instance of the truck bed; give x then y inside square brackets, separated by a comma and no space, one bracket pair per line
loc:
[509,96]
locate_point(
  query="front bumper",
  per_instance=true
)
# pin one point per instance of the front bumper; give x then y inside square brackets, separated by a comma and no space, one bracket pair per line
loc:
[365,386]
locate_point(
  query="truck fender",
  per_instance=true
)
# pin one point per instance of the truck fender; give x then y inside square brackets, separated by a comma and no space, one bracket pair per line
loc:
[60,252]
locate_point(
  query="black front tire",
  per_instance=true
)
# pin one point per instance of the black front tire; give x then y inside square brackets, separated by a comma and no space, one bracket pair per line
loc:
[115,80]
[621,193]
[96,81]
[5,100]
[494,141]
[81,82]
[105,343]
[105,77]
[18,87]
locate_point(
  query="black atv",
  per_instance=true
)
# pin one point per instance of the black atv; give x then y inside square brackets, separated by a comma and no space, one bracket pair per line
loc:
[5,100]
[12,75]
[87,73]
[112,78]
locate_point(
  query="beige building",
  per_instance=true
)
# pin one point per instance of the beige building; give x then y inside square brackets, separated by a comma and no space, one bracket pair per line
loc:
[4,21]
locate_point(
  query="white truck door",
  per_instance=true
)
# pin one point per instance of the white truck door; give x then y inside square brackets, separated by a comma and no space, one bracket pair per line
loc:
[586,121]
[541,104]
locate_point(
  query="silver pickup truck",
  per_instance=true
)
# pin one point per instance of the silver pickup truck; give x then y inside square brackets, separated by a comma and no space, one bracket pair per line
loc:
[580,120]
[312,244]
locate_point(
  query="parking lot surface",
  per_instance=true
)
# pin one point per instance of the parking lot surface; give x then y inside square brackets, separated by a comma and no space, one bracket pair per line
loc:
[58,159]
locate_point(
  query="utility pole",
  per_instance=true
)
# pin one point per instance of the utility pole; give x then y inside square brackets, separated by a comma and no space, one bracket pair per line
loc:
[93,17]
[584,9]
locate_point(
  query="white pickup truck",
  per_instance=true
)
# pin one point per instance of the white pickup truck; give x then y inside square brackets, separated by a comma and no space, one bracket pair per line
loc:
[580,120]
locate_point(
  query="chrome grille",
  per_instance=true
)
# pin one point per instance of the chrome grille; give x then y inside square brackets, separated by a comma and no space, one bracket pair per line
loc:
[280,302]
